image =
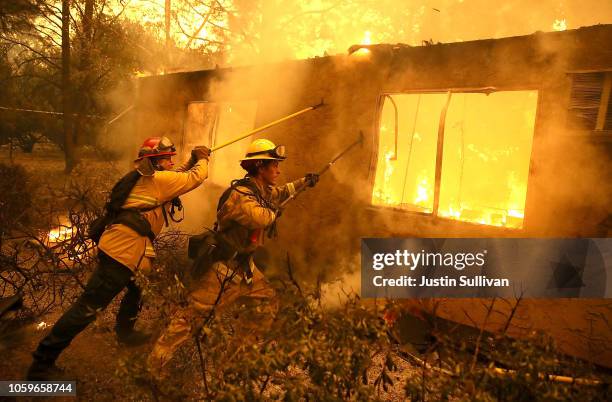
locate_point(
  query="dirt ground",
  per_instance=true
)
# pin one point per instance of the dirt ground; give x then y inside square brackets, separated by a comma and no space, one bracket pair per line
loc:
[91,359]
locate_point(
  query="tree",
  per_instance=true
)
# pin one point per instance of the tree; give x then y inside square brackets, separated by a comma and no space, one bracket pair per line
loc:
[69,142]
[73,55]
[16,13]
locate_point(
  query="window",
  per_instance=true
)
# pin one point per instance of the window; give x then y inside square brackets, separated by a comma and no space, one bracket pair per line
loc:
[590,101]
[199,125]
[213,124]
[406,179]
[461,156]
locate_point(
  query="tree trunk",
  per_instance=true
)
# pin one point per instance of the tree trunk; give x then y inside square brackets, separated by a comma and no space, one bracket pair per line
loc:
[167,9]
[81,107]
[168,6]
[69,146]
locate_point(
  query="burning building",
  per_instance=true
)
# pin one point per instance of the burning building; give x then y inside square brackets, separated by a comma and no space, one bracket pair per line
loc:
[503,137]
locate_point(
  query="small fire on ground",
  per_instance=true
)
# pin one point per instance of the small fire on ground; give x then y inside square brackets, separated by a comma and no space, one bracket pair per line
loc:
[60,240]
[61,233]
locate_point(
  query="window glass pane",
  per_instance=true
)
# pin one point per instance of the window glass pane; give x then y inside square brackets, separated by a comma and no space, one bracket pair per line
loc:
[214,124]
[199,126]
[406,180]
[487,148]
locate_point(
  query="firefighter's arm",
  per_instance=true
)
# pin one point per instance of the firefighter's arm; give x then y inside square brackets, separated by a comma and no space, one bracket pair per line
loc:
[249,213]
[171,184]
[190,163]
[281,193]
[198,153]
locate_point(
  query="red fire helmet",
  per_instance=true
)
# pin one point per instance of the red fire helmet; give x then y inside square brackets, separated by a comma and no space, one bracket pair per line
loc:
[156,146]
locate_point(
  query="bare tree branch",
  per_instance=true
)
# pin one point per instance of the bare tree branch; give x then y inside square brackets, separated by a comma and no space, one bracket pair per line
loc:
[303,13]
[197,38]
[52,11]
[47,35]
[45,57]
[197,32]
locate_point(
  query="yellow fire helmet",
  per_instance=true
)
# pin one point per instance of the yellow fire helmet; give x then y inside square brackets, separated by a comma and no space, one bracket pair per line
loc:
[264,149]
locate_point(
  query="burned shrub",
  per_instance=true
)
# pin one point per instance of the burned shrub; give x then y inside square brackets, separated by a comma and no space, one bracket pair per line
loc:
[45,253]
[497,367]
[15,197]
[305,353]
[292,348]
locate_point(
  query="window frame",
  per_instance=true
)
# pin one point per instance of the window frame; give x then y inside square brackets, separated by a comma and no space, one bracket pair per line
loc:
[440,152]
[215,126]
[213,132]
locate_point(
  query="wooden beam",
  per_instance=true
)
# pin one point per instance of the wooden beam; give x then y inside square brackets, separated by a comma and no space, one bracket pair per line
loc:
[605,100]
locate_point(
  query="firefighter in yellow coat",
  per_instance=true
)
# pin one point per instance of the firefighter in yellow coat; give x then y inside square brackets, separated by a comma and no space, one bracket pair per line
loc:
[125,246]
[245,211]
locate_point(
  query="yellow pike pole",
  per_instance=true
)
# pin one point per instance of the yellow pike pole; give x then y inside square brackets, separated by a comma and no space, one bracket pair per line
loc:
[275,122]
[325,169]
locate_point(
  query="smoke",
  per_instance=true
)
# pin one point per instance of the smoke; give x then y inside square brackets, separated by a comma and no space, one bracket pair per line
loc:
[234,103]
[324,225]
[568,190]
[336,291]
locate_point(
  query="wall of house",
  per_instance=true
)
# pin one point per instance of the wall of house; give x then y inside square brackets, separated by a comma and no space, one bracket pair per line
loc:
[569,190]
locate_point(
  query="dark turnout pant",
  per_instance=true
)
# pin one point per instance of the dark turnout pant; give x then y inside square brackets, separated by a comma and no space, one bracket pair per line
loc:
[109,278]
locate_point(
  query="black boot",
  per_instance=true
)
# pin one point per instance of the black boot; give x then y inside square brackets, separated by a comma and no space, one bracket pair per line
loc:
[133,338]
[44,371]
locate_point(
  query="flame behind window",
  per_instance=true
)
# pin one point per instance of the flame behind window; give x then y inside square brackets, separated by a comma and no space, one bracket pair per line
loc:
[486,154]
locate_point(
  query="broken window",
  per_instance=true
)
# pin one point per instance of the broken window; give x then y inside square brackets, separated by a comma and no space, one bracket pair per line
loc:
[199,125]
[213,124]
[405,179]
[590,101]
[483,155]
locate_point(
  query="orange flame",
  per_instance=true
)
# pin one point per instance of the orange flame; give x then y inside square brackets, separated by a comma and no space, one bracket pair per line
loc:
[484,177]
[367,40]
[60,234]
[61,237]
[381,194]
[559,25]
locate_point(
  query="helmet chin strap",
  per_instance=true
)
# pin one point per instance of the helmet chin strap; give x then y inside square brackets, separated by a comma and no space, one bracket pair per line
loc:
[148,166]
[145,167]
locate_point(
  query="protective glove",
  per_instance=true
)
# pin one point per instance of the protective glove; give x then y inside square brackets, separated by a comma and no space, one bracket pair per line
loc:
[311,179]
[200,152]
[278,213]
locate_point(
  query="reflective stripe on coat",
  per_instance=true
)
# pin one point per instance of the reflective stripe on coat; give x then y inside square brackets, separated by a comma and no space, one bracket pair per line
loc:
[124,244]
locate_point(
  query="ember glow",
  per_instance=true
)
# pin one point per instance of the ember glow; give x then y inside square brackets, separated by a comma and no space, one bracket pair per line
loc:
[367,40]
[62,240]
[486,156]
[60,234]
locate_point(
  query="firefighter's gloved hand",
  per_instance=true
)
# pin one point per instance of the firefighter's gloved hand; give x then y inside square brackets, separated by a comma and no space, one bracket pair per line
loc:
[200,152]
[278,213]
[311,179]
